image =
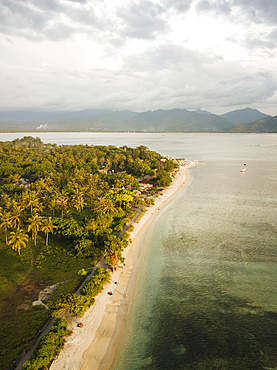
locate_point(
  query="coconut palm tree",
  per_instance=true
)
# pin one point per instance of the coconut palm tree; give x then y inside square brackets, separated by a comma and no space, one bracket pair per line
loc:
[38,208]
[31,200]
[103,223]
[34,224]
[79,202]
[53,204]
[16,214]
[46,201]
[40,185]
[109,205]
[47,227]
[62,201]
[17,240]
[5,219]
[5,199]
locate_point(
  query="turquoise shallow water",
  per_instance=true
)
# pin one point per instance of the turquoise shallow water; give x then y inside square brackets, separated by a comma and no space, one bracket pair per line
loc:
[206,296]
[207,291]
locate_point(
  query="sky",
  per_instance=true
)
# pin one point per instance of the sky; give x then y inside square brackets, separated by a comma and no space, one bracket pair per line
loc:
[216,55]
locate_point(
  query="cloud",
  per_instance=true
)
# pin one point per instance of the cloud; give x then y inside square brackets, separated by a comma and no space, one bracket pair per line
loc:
[266,42]
[190,78]
[16,16]
[168,76]
[9,40]
[58,20]
[253,22]
[142,20]
[218,7]
[259,11]
[178,5]
[168,58]
[49,19]
[131,55]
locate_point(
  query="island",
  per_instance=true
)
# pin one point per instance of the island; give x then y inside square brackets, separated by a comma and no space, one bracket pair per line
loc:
[69,216]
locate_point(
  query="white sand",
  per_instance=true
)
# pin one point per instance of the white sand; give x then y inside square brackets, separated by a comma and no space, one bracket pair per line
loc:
[94,345]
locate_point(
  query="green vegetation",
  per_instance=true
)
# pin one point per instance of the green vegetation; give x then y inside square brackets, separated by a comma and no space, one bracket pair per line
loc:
[49,346]
[73,304]
[96,284]
[268,124]
[141,214]
[78,304]
[61,210]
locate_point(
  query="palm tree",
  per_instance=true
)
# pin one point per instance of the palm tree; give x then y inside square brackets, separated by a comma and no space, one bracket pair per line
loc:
[111,260]
[53,203]
[79,202]
[99,203]
[90,225]
[34,225]
[5,198]
[40,185]
[16,213]
[46,201]
[31,200]
[62,202]
[109,205]
[17,240]
[5,219]
[38,208]
[47,227]
[103,222]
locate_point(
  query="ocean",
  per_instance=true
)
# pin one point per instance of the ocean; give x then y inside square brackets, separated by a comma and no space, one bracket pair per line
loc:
[206,295]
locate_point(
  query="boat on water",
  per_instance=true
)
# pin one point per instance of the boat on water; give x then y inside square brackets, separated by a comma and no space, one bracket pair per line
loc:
[243,170]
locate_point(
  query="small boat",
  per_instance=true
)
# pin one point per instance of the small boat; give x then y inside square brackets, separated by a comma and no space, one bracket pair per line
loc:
[243,170]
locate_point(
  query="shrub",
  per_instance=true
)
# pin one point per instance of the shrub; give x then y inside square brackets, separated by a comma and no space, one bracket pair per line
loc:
[150,202]
[85,248]
[96,284]
[48,346]
[82,272]
[68,228]
[73,304]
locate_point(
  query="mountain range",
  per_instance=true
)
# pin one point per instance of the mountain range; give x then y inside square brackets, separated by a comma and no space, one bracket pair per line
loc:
[173,120]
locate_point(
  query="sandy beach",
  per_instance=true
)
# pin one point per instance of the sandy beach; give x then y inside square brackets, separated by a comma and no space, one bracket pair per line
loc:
[94,345]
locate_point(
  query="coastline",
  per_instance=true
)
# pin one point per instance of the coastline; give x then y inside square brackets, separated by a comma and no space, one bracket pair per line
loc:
[95,344]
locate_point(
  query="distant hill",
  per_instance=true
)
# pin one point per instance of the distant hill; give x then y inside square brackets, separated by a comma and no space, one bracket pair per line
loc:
[173,120]
[268,124]
[21,116]
[91,122]
[85,120]
[244,115]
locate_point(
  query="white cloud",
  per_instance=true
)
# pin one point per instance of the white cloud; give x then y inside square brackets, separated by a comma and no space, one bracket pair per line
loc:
[142,20]
[138,54]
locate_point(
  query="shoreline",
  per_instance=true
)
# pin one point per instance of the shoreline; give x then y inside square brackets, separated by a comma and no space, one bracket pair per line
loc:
[94,345]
